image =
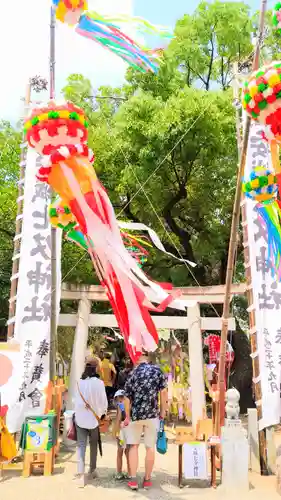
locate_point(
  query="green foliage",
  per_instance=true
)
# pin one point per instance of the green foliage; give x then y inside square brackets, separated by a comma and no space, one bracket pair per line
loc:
[165,148]
[9,166]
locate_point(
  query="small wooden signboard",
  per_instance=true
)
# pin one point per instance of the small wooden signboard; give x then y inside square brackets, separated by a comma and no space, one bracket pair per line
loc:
[204,433]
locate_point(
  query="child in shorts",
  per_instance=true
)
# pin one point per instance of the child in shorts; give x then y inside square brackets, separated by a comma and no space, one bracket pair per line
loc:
[120,434]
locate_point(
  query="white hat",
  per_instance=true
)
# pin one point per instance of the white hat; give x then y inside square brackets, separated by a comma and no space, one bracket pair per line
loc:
[120,392]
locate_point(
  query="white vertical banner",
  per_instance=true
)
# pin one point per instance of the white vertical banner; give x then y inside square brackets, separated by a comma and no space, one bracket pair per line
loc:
[266,291]
[27,394]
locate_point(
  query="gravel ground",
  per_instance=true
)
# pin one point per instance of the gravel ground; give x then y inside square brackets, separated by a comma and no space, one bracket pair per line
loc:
[60,486]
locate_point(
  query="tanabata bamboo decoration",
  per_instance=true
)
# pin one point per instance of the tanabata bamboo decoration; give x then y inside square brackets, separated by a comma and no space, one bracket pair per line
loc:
[107,32]
[262,100]
[276,19]
[61,216]
[59,133]
[70,11]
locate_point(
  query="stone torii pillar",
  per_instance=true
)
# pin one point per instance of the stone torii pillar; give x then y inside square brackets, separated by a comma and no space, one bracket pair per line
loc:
[196,365]
[79,347]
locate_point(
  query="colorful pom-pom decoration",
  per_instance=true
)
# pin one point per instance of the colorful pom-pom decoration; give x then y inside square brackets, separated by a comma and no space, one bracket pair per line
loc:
[262,97]
[61,216]
[276,18]
[54,126]
[70,11]
[261,186]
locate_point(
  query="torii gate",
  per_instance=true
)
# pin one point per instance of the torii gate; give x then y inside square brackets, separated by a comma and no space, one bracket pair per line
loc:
[193,322]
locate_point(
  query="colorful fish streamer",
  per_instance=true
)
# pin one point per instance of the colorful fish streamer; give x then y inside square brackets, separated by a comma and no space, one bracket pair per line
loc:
[107,32]
[139,24]
[110,37]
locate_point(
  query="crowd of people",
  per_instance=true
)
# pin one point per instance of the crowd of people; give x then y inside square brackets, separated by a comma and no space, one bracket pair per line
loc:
[139,396]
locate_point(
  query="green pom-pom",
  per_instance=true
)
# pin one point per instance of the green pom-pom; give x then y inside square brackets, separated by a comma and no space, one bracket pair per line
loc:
[86,124]
[53,212]
[262,104]
[246,84]
[67,210]
[277,66]
[53,115]
[260,73]
[69,226]
[275,20]
[262,87]
[263,181]
[247,98]
[247,186]
[277,6]
[35,120]
[278,95]
[74,116]
[254,114]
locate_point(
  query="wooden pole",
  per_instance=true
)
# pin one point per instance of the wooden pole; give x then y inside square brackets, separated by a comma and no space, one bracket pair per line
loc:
[233,239]
[53,326]
[250,299]
[18,229]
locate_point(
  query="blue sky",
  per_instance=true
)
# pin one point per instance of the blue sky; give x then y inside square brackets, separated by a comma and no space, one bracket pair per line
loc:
[168,11]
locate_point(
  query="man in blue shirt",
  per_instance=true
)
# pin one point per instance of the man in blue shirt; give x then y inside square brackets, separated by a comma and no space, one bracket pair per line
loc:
[142,391]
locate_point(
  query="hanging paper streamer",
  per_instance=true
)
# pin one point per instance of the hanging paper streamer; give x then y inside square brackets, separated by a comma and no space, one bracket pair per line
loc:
[276,19]
[70,11]
[110,37]
[107,32]
[60,133]
[262,100]
[61,216]
[139,24]
[262,187]
[136,226]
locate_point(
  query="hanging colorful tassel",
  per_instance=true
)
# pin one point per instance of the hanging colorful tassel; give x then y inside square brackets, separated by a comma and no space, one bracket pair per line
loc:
[262,188]
[270,216]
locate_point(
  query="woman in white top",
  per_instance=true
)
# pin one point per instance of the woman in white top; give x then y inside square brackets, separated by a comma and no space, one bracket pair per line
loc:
[93,391]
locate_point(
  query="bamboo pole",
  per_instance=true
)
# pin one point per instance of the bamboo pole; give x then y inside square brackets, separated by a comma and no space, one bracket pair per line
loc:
[18,229]
[252,314]
[53,326]
[233,239]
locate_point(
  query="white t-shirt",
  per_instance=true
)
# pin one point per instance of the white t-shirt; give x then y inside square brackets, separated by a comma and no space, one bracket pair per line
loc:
[93,391]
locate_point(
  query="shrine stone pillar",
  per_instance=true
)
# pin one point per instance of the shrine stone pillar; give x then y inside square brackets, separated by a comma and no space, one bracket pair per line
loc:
[196,365]
[79,348]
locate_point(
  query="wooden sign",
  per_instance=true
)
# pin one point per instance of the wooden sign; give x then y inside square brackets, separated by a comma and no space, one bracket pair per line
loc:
[184,435]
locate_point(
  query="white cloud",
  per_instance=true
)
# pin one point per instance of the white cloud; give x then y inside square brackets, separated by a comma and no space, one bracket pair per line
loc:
[24,41]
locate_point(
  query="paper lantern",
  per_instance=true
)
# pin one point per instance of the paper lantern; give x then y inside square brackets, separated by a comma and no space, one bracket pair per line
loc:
[70,11]
[262,97]
[276,19]
[56,125]
[261,185]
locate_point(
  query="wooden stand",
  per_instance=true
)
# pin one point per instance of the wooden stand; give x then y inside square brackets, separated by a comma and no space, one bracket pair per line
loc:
[45,459]
[204,431]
